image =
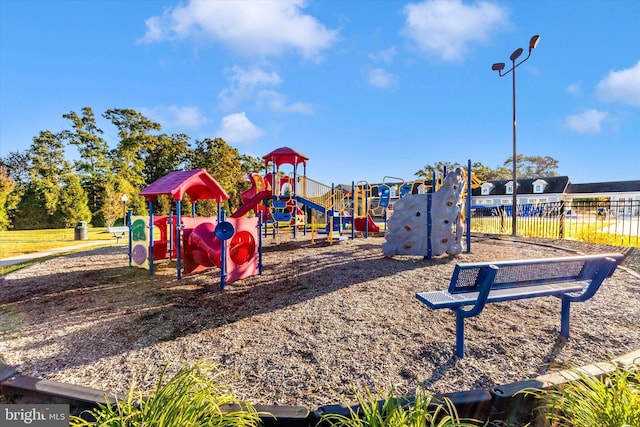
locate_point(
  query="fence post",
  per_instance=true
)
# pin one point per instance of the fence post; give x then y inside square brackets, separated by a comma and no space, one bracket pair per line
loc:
[562,217]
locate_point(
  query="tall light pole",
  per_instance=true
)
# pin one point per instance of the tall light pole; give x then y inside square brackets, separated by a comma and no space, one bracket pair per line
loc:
[124,199]
[499,67]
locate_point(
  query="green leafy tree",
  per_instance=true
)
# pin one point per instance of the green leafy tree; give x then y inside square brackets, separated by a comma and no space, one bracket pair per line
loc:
[485,173]
[48,165]
[251,164]
[532,166]
[6,188]
[73,203]
[17,166]
[168,154]
[224,164]
[428,170]
[527,167]
[136,140]
[39,202]
[93,167]
[31,209]
[112,210]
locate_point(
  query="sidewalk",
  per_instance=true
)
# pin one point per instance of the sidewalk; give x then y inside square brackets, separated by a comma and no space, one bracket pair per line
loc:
[35,255]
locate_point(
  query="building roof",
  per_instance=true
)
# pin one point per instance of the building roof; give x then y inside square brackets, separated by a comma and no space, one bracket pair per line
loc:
[556,184]
[605,187]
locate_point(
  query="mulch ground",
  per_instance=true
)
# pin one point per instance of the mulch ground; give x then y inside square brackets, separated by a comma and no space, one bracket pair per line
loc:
[321,321]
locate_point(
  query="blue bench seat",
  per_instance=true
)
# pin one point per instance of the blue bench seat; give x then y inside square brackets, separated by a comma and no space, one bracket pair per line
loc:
[473,285]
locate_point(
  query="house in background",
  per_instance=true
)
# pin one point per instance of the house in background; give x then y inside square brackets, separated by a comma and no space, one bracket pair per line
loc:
[530,191]
[624,195]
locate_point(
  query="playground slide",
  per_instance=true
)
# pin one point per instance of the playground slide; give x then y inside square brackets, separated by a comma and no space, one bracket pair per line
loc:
[361,225]
[252,203]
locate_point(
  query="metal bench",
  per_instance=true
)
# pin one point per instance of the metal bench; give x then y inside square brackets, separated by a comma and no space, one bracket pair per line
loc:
[572,279]
[118,232]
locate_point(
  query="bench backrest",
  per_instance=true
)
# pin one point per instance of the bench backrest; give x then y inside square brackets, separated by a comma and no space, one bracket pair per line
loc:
[467,277]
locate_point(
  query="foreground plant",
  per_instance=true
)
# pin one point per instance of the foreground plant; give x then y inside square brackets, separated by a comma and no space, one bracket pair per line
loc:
[608,401]
[384,410]
[192,397]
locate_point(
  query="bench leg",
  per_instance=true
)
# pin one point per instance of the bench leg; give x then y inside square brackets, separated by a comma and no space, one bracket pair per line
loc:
[459,336]
[564,317]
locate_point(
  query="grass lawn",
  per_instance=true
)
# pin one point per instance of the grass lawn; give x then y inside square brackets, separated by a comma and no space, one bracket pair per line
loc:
[18,242]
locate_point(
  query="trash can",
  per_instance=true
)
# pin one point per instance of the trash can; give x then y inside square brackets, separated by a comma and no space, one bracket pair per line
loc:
[81,231]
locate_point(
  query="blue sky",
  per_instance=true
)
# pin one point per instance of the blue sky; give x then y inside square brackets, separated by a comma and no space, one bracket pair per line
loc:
[365,89]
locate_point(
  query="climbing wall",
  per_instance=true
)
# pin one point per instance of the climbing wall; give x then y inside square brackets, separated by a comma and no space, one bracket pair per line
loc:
[408,232]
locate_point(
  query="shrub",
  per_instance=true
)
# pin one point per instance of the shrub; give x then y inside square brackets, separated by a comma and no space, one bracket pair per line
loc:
[592,401]
[384,410]
[191,397]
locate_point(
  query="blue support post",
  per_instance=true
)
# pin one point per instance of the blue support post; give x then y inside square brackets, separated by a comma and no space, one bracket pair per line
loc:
[178,241]
[564,317]
[223,253]
[294,214]
[429,226]
[353,210]
[129,213]
[459,335]
[150,257]
[171,236]
[468,207]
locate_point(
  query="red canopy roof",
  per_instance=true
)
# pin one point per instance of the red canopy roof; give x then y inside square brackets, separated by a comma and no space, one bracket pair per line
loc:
[285,156]
[197,184]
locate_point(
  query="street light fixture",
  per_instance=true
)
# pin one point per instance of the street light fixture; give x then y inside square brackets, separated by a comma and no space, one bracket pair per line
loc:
[499,67]
[124,199]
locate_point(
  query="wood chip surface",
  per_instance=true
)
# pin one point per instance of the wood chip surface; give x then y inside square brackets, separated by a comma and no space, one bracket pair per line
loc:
[321,321]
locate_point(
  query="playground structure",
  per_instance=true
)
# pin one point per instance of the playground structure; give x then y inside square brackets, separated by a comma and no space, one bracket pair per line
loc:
[429,224]
[423,222]
[296,202]
[234,245]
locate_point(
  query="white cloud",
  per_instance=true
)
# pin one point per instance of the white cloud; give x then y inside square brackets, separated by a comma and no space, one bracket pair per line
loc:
[589,121]
[446,28]
[575,88]
[621,86]
[381,78]
[277,102]
[385,56]
[244,84]
[248,27]
[237,127]
[174,116]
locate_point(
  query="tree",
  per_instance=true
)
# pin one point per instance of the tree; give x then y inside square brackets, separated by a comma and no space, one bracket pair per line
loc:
[112,209]
[527,167]
[168,154]
[532,166]
[73,203]
[16,165]
[31,210]
[485,173]
[48,165]
[224,164]
[93,167]
[428,170]
[251,164]
[135,140]
[6,188]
